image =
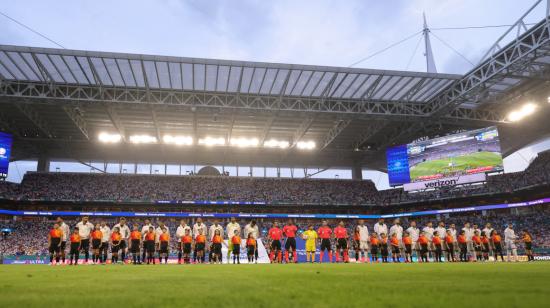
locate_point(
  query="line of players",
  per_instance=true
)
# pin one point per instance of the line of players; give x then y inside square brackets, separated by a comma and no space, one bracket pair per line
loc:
[470,243]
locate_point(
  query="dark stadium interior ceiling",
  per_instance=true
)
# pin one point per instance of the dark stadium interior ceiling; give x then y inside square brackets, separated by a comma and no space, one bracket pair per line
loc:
[57,101]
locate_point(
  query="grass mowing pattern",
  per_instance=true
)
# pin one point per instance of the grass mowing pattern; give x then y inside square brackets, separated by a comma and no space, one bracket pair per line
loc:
[461,163]
[303,285]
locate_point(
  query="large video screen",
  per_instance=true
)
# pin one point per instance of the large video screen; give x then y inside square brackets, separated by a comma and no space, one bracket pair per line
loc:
[5,152]
[455,155]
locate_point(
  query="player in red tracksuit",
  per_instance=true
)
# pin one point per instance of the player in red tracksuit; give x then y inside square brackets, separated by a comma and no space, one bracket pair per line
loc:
[275,234]
[341,234]
[289,232]
[325,234]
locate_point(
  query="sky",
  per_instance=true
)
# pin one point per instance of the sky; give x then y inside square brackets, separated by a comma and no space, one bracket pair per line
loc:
[317,32]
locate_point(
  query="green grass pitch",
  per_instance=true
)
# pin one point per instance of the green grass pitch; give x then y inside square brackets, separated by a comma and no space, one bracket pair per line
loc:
[295,285]
[470,161]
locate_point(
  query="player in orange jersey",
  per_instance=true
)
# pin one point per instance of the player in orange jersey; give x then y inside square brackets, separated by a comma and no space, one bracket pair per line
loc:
[186,242]
[325,234]
[463,246]
[135,244]
[116,239]
[251,247]
[423,242]
[357,243]
[200,242]
[75,247]
[476,241]
[395,251]
[449,245]
[289,231]
[96,236]
[164,243]
[485,246]
[528,242]
[497,243]
[374,245]
[341,235]
[407,242]
[275,234]
[149,245]
[236,241]
[54,243]
[438,250]
[216,249]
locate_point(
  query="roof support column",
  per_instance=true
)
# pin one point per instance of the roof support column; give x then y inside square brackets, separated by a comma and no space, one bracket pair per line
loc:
[43,164]
[356,172]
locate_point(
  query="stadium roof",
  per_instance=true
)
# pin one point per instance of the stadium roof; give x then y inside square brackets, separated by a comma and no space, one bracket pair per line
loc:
[56,101]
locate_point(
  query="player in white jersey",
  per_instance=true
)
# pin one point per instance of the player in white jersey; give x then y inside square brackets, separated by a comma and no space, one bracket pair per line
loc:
[363,239]
[414,233]
[253,230]
[468,233]
[442,232]
[488,230]
[84,230]
[397,229]
[211,232]
[147,224]
[199,228]
[510,242]
[106,237]
[230,229]
[124,231]
[429,233]
[380,227]
[180,232]
[66,231]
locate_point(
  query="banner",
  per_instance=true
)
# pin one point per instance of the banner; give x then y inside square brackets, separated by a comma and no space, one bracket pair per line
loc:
[445,182]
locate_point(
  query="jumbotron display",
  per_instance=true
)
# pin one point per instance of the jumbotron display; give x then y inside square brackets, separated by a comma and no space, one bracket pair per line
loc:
[456,155]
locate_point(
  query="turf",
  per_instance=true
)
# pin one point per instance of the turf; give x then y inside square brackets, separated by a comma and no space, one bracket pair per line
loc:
[303,285]
[470,161]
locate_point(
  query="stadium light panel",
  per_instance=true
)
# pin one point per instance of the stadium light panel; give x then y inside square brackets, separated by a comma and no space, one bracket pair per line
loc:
[526,110]
[244,142]
[143,139]
[177,140]
[273,143]
[305,145]
[212,141]
[109,138]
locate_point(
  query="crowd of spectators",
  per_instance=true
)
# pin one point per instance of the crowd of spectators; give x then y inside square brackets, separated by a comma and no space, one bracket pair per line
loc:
[55,186]
[29,237]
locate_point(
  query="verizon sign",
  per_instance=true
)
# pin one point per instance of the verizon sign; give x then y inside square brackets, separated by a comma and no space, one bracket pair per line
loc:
[445,182]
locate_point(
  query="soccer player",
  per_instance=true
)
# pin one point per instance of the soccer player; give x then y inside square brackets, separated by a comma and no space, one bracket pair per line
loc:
[488,230]
[442,232]
[453,230]
[485,245]
[252,228]
[414,232]
[144,230]
[289,231]
[497,242]
[357,243]
[84,230]
[407,242]
[96,243]
[363,238]
[476,241]
[216,249]
[436,242]
[510,241]
[395,252]
[380,227]
[429,233]
[187,241]
[325,234]
[250,248]
[311,238]
[397,229]
[374,245]
[384,247]
[65,228]
[149,244]
[135,244]
[54,243]
[180,232]
[75,247]
[164,242]
[124,231]
[106,237]
[275,234]
[230,230]
[116,239]
[199,228]
[527,241]
[468,233]
[236,241]
[341,235]
[200,243]
[449,244]
[463,246]
[211,232]
[423,241]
